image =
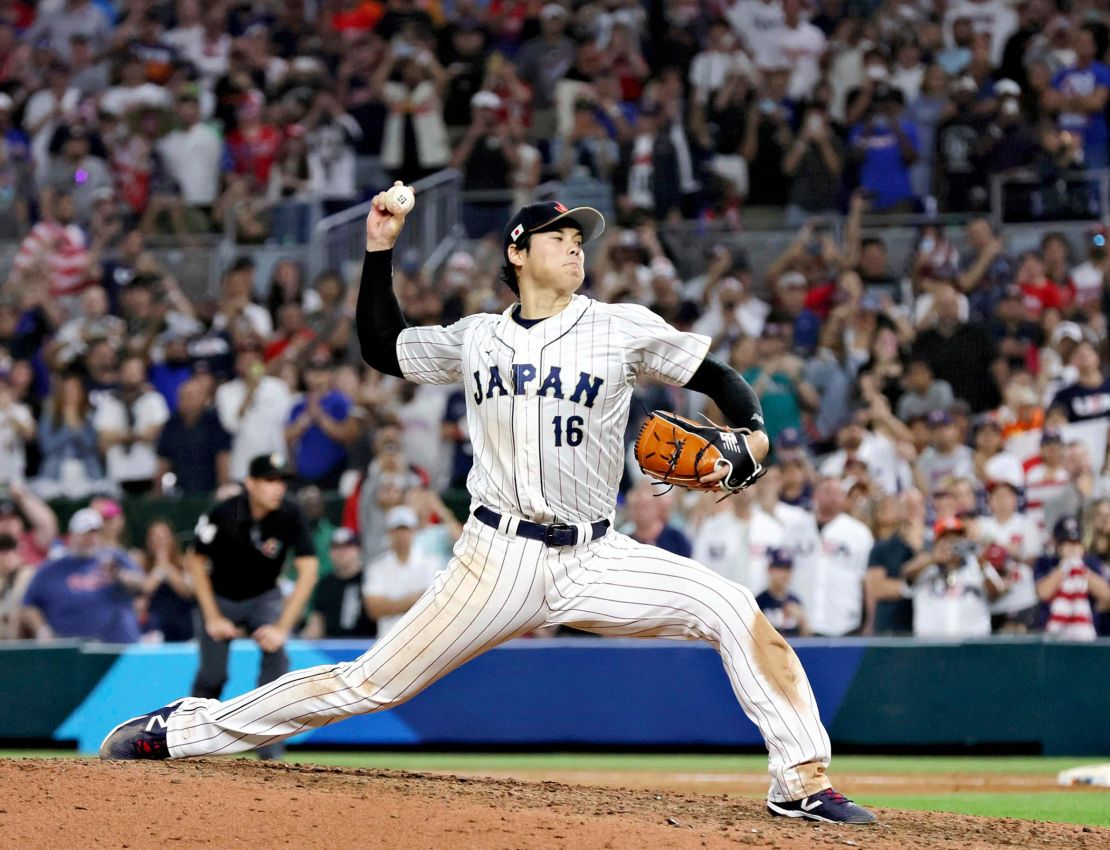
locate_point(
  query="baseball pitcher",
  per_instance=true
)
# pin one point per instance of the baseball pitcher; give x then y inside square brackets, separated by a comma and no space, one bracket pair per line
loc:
[548,385]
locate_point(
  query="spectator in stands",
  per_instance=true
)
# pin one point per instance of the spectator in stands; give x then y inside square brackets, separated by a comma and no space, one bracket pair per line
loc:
[167,603]
[1045,475]
[797,470]
[410,82]
[959,353]
[114,530]
[320,426]
[86,591]
[92,322]
[1080,487]
[831,564]
[542,62]
[338,610]
[899,535]
[781,607]
[54,26]
[923,393]
[332,135]
[387,480]
[1068,582]
[129,422]
[47,109]
[75,171]
[885,147]
[768,136]
[985,270]
[1018,536]
[193,155]
[1079,95]
[193,446]
[29,520]
[487,160]
[17,429]
[253,410]
[15,576]
[945,457]
[71,463]
[311,501]
[648,519]
[777,379]
[813,164]
[990,460]
[952,588]
[1087,401]
[397,579]
[57,248]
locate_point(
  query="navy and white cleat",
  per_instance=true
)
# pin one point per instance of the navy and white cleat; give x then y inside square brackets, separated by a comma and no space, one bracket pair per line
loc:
[829,806]
[142,737]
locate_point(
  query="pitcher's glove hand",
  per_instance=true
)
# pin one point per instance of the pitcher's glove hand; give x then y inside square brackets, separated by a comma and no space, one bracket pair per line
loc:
[678,451]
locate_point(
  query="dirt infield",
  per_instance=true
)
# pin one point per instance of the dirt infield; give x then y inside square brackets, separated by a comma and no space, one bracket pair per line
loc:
[83,803]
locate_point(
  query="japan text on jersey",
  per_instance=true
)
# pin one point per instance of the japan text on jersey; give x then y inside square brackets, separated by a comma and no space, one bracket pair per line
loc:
[547,405]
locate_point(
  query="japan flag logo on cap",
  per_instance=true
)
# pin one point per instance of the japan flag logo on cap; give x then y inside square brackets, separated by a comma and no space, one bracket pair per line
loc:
[561,207]
[519,229]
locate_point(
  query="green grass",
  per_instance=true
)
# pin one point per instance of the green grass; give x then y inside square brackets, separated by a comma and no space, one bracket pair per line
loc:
[1088,807]
[1091,808]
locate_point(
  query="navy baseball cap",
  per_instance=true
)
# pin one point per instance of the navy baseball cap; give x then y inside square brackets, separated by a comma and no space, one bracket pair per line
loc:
[271,467]
[790,438]
[938,418]
[1052,435]
[782,558]
[1067,530]
[343,536]
[551,215]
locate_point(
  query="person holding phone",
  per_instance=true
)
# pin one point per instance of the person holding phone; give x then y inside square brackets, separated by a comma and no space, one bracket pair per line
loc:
[813,164]
[884,146]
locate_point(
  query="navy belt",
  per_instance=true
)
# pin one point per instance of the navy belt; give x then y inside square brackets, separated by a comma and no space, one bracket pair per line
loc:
[556,534]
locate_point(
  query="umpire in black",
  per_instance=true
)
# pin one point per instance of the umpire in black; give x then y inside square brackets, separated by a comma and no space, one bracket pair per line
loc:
[238,553]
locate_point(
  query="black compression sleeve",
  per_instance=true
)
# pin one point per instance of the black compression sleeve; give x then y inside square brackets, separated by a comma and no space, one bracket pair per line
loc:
[730,392]
[378,318]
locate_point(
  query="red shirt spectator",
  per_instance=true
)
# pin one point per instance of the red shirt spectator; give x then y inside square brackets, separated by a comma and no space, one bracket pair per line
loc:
[59,248]
[253,146]
[1038,292]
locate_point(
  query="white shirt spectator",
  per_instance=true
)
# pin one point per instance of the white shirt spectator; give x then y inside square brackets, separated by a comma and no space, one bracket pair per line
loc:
[890,472]
[139,461]
[829,574]
[802,46]
[119,100]
[257,316]
[710,68]
[1004,466]
[994,17]
[1042,485]
[193,156]
[15,420]
[387,576]
[421,419]
[935,467]
[737,548]
[952,604]
[260,429]
[39,105]
[331,159]
[1087,278]
[758,23]
[1023,539]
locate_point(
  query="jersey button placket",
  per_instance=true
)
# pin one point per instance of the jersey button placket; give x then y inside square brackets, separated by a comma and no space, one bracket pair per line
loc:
[529,447]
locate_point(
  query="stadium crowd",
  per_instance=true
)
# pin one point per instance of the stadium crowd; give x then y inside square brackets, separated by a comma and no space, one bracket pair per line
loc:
[940,430]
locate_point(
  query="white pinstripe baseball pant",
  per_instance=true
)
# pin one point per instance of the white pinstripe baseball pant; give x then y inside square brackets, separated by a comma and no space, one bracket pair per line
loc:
[498,587]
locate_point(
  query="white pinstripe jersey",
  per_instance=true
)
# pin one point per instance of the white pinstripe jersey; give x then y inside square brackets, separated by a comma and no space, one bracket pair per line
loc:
[547,405]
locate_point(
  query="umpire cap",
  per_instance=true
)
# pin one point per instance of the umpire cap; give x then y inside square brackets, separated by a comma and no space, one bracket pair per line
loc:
[271,467]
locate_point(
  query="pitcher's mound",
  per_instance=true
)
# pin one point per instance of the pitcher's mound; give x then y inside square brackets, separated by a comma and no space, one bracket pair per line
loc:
[239,803]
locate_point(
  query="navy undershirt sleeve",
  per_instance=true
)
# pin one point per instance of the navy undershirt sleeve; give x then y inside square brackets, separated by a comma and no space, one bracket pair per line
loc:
[378,317]
[730,392]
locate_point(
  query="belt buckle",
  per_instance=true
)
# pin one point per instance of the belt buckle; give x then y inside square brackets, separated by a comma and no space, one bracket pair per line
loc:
[560,534]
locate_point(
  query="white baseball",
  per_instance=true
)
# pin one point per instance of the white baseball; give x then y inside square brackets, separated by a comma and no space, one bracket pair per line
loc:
[399,200]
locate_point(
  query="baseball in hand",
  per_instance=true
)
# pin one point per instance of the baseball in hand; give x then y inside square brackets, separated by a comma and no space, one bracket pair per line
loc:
[399,200]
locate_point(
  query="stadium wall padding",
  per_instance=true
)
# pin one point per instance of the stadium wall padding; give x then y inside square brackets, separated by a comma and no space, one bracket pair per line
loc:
[586,692]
